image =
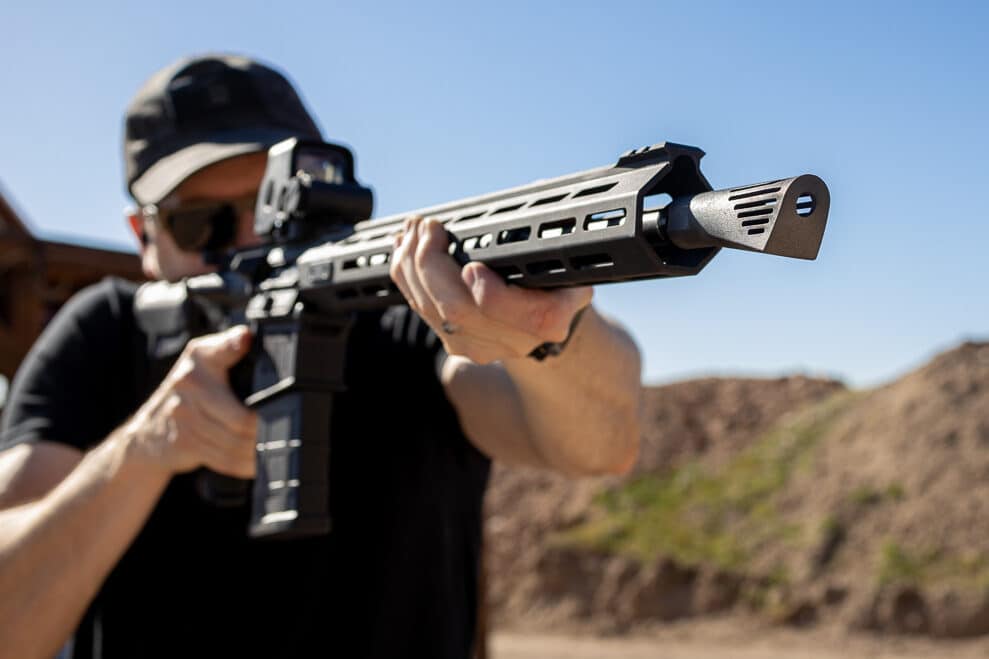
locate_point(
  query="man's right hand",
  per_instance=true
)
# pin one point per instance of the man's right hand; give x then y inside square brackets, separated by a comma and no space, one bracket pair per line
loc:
[67,517]
[193,419]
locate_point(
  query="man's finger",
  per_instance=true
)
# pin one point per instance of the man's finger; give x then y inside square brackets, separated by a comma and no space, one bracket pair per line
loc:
[395,268]
[546,314]
[222,458]
[420,298]
[220,405]
[218,352]
[439,275]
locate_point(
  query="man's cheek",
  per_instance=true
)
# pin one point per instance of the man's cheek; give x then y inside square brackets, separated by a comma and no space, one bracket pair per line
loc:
[245,231]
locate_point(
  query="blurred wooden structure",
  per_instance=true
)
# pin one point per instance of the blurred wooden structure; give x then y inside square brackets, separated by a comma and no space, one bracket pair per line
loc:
[37,277]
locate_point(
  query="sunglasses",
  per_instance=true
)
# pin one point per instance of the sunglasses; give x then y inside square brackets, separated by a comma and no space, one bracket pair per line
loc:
[201,226]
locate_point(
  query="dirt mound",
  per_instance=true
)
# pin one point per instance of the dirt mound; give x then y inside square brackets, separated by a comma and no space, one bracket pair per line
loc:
[789,497]
[715,418]
[708,419]
[900,485]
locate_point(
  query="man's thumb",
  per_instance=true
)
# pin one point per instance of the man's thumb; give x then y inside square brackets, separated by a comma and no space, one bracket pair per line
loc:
[226,348]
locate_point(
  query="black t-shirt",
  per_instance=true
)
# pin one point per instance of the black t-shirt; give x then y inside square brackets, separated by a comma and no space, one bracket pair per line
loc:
[395,578]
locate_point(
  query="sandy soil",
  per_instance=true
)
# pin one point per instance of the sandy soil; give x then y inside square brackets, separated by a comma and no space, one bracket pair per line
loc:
[711,419]
[729,639]
[873,519]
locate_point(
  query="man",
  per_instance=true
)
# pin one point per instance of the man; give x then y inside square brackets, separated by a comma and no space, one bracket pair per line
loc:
[101,528]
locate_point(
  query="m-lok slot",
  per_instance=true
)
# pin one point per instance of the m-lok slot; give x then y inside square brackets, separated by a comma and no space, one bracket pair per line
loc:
[604,219]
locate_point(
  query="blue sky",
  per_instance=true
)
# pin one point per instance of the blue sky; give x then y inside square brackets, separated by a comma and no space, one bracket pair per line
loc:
[885,101]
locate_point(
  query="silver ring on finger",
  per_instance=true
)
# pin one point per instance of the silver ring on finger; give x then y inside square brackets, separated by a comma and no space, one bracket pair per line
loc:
[449,328]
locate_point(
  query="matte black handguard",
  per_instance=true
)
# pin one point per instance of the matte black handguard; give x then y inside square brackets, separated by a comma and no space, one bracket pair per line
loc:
[651,215]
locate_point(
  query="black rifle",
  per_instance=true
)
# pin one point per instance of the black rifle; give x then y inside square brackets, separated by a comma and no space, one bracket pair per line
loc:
[651,215]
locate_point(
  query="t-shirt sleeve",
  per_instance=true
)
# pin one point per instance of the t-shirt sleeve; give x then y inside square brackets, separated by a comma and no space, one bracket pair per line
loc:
[77,382]
[410,384]
[408,330]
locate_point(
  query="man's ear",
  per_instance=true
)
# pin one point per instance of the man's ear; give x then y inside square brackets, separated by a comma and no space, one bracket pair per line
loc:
[136,223]
[149,260]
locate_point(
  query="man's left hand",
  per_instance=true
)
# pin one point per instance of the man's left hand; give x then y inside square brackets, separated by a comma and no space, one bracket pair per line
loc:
[473,311]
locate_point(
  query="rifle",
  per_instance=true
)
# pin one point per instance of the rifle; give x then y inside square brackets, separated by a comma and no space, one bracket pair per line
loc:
[651,215]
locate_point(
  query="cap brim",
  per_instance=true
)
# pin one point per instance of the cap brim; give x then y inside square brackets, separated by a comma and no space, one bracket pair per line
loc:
[167,173]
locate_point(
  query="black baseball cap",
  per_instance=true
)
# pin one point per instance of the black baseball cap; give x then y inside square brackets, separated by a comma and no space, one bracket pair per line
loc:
[202,110]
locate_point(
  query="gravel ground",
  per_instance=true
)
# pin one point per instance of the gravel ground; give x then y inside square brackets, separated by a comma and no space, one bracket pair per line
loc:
[729,639]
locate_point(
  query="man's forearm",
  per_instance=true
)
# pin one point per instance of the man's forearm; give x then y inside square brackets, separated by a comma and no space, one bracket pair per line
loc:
[577,412]
[56,551]
[581,407]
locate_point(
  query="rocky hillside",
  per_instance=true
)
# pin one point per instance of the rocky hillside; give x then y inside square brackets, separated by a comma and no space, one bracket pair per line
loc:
[793,498]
